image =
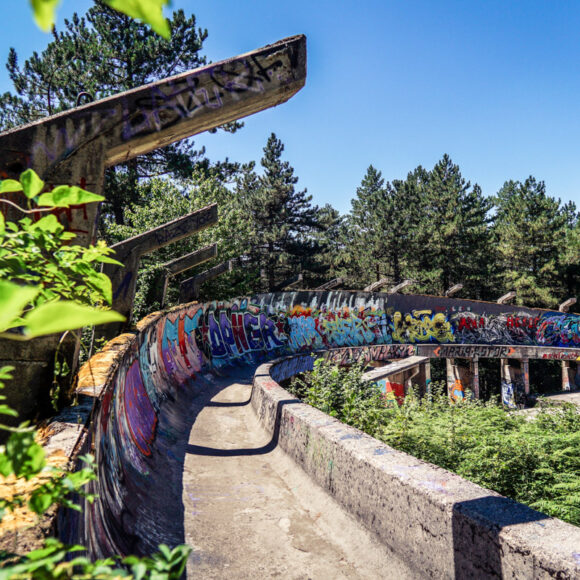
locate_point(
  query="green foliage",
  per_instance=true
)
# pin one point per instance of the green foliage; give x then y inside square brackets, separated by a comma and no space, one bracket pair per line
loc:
[283,223]
[59,561]
[530,231]
[54,285]
[148,11]
[535,461]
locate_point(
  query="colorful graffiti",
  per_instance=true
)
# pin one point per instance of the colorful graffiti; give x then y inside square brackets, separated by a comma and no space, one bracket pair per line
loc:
[559,329]
[392,391]
[142,414]
[422,326]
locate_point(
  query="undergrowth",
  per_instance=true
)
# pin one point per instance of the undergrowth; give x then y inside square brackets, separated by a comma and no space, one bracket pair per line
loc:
[535,461]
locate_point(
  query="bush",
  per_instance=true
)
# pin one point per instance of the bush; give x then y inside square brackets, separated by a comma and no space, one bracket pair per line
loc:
[535,461]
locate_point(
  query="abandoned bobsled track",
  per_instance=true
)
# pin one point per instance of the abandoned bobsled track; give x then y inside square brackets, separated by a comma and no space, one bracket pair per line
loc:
[249,511]
[181,457]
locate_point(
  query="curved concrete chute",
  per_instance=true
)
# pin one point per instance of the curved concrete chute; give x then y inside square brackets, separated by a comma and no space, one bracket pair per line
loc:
[151,387]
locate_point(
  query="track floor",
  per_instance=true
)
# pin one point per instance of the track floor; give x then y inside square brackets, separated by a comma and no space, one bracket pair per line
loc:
[250,512]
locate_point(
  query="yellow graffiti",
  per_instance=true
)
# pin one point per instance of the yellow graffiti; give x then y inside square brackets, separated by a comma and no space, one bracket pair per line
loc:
[422,326]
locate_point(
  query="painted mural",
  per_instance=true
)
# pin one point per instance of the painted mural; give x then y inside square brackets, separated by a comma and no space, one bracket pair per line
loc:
[143,412]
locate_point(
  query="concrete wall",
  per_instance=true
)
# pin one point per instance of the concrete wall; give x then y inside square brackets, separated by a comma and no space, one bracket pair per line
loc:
[442,525]
[144,383]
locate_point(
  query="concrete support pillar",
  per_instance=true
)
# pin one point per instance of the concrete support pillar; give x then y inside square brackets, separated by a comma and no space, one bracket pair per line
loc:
[474,367]
[526,375]
[570,375]
[461,378]
[513,388]
[423,377]
[393,387]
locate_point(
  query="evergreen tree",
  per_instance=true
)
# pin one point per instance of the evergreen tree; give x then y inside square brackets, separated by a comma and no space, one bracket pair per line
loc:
[452,238]
[530,230]
[282,241]
[99,55]
[381,228]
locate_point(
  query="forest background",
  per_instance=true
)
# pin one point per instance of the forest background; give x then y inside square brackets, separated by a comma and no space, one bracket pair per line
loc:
[432,226]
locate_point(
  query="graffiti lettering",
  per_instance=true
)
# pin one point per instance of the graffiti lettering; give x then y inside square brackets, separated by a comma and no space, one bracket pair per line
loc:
[470,351]
[422,326]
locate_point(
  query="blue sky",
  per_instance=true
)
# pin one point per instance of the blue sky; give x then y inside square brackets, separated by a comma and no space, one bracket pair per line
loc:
[494,84]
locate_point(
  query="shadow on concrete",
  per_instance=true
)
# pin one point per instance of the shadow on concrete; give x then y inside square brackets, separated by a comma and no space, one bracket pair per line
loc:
[211,451]
[218,404]
[476,525]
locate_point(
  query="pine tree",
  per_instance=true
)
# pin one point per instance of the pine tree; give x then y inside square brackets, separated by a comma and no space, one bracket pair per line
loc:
[530,231]
[452,237]
[99,55]
[282,242]
[380,228]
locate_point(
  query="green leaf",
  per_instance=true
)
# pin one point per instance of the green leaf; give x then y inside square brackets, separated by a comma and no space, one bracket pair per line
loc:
[102,284]
[148,11]
[2,226]
[10,185]
[31,184]
[44,13]
[6,410]
[5,465]
[49,223]
[64,315]
[13,299]
[40,502]
[67,195]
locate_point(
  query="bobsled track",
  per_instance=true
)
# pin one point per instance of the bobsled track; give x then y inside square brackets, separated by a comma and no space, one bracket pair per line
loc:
[196,442]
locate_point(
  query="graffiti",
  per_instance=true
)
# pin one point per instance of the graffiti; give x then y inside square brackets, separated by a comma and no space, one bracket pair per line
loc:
[290,367]
[559,329]
[422,326]
[138,419]
[183,98]
[140,414]
[392,392]
[514,328]
[561,355]
[347,356]
[508,397]
[470,351]
[318,328]
[513,385]
[456,389]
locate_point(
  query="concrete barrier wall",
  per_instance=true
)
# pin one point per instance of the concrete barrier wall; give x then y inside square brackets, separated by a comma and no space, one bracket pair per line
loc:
[143,385]
[439,523]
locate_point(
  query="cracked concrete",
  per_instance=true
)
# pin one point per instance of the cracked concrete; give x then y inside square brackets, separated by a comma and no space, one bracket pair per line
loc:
[249,510]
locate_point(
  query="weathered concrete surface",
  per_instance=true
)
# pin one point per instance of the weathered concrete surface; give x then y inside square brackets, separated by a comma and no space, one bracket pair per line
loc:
[249,512]
[397,366]
[75,146]
[439,523]
[436,521]
[189,289]
[129,252]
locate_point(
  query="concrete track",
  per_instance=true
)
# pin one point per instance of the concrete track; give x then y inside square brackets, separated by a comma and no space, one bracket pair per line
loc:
[251,512]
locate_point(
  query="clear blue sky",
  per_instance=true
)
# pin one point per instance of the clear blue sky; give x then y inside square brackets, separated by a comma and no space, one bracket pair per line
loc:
[495,84]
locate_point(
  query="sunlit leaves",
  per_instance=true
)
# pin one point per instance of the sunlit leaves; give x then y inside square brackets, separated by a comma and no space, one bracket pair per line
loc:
[65,196]
[44,13]
[46,271]
[148,11]
[13,300]
[60,316]
[32,185]
[10,185]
